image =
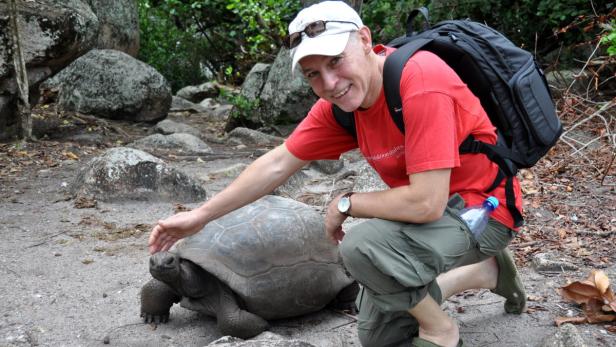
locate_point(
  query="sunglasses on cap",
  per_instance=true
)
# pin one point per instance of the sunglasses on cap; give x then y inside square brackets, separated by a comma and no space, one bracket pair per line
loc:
[312,30]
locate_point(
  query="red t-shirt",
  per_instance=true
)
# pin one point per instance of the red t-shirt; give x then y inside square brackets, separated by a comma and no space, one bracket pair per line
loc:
[439,113]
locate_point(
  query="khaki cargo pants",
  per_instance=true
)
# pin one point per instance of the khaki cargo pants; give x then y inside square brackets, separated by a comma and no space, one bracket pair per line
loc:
[397,264]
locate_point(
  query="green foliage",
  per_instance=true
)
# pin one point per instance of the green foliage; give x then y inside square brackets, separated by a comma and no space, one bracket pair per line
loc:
[610,39]
[172,51]
[541,26]
[227,37]
[387,18]
[184,38]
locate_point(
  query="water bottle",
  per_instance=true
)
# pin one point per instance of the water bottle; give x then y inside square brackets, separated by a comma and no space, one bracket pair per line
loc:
[476,217]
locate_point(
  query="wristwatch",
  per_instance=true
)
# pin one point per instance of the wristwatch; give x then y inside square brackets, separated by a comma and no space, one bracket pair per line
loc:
[344,204]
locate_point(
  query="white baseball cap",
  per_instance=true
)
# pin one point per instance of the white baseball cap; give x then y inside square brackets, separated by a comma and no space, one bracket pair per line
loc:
[340,20]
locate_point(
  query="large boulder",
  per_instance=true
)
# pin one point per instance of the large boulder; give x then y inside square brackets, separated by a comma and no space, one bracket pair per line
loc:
[112,84]
[283,97]
[286,97]
[53,33]
[119,25]
[122,174]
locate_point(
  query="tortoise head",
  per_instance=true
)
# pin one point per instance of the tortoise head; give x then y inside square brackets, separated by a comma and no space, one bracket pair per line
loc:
[165,267]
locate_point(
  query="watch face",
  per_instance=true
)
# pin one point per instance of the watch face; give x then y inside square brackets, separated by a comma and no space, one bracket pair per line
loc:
[344,204]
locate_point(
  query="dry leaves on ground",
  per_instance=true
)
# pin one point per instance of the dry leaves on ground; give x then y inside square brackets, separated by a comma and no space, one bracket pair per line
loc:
[595,297]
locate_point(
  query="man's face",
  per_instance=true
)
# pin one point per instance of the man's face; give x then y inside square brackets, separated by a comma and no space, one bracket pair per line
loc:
[342,79]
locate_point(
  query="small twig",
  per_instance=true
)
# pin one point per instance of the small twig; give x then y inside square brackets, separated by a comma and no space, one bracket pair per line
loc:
[526,244]
[47,239]
[603,108]
[609,166]
[584,67]
[594,233]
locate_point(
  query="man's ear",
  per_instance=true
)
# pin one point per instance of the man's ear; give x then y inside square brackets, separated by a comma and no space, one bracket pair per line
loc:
[365,37]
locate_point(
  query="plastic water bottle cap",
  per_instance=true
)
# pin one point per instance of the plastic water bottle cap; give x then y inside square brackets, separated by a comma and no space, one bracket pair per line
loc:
[492,201]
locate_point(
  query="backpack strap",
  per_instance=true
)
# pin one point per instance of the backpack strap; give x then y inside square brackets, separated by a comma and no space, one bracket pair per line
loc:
[345,120]
[392,73]
[507,170]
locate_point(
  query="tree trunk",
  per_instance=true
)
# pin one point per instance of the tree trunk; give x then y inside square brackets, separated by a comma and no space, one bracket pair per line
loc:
[21,76]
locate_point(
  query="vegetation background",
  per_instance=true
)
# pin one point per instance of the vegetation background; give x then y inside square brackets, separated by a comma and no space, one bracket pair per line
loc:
[191,41]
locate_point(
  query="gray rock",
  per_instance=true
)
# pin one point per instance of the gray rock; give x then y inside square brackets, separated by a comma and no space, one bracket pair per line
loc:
[118,23]
[327,166]
[180,104]
[209,103]
[53,33]
[178,142]
[566,336]
[221,112]
[293,187]
[368,180]
[561,80]
[112,84]
[543,262]
[122,174]
[198,93]
[266,339]
[167,126]
[285,97]
[255,80]
[230,172]
[247,136]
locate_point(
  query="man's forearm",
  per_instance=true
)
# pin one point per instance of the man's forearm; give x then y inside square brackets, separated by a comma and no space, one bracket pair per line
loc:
[422,201]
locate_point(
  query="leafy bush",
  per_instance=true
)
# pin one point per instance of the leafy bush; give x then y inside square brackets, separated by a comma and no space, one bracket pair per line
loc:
[540,26]
[610,39]
[165,46]
[184,38]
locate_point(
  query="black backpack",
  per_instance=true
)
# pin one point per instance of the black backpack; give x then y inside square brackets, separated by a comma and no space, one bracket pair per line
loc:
[506,79]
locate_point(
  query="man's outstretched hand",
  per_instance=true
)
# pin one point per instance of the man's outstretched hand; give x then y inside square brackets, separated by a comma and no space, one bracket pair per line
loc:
[168,231]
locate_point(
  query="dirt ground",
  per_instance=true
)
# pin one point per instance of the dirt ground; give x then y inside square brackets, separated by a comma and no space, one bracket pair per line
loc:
[71,276]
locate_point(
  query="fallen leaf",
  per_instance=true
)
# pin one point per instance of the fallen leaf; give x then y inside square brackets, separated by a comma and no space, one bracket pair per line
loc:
[575,320]
[601,280]
[535,298]
[71,155]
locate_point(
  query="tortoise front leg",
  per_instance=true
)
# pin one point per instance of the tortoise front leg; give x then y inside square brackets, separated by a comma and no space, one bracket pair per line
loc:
[156,300]
[234,321]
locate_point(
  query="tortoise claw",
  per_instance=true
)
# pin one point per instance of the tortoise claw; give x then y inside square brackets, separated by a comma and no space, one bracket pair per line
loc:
[153,318]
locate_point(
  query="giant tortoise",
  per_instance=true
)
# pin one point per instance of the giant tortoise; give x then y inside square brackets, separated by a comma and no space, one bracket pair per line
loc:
[267,260]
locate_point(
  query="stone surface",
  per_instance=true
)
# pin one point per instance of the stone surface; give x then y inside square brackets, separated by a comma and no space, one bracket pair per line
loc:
[181,143]
[327,166]
[122,174]
[118,25]
[52,34]
[544,262]
[196,94]
[247,136]
[292,188]
[167,126]
[255,80]
[112,84]
[285,97]
[180,104]
[367,178]
[266,339]
[566,336]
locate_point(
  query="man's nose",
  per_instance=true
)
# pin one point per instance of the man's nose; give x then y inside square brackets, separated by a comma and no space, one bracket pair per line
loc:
[329,80]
